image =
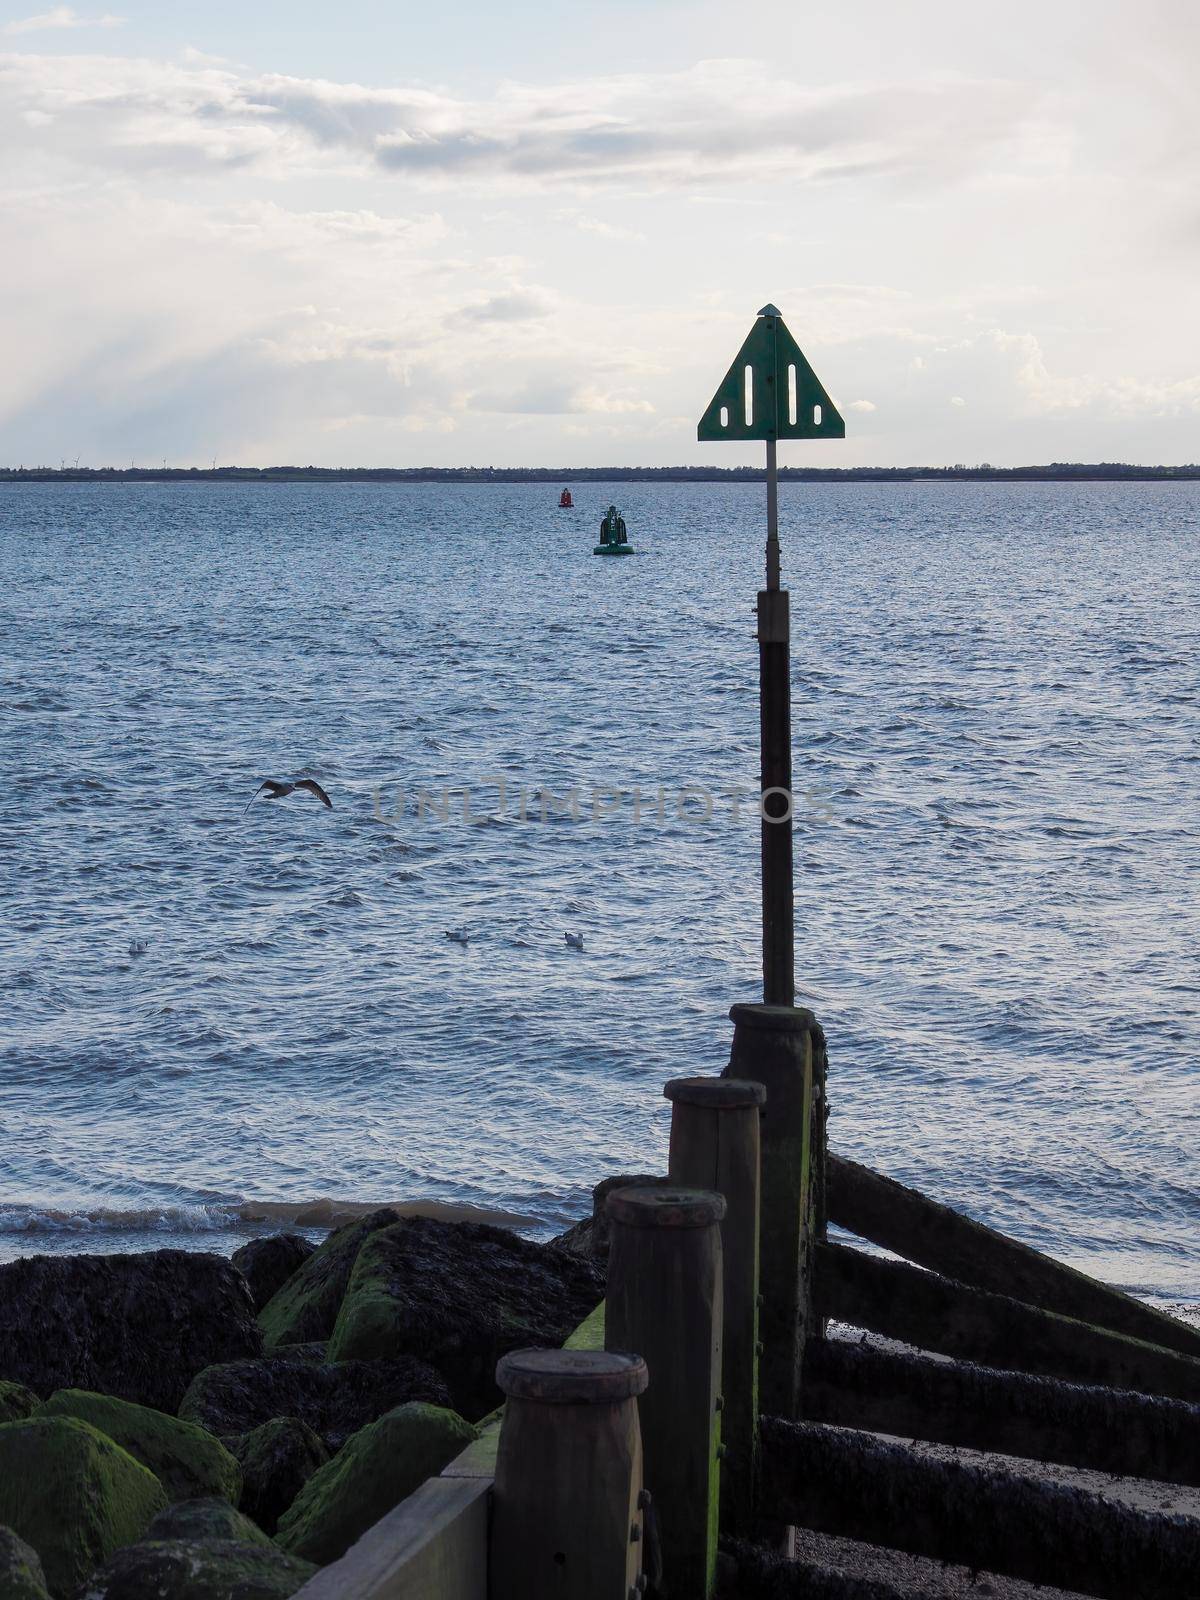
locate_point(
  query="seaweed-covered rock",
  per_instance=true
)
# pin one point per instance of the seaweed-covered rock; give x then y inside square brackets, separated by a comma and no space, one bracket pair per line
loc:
[267,1264]
[335,1400]
[72,1494]
[380,1466]
[315,1351]
[137,1326]
[277,1460]
[16,1401]
[306,1306]
[461,1294]
[21,1575]
[201,1550]
[186,1459]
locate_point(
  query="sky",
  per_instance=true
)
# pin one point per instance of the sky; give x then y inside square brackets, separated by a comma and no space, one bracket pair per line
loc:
[536,234]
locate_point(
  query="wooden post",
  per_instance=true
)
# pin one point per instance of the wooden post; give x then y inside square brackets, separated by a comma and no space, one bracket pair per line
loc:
[665,1301]
[567,1517]
[714,1145]
[773,1045]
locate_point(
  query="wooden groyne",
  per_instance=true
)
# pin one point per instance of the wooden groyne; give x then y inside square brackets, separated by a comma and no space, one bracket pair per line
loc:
[704,1411]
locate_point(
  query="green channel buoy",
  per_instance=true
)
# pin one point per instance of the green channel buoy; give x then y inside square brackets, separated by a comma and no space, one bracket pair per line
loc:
[614,539]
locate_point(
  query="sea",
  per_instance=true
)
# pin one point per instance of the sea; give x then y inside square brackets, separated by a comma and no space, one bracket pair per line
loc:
[221,1014]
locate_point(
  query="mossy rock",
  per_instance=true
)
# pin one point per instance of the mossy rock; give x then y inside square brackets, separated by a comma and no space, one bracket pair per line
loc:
[306,1307]
[16,1401]
[219,1570]
[380,1466]
[186,1459]
[21,1575]
[277,1460]
[74,1495]
[461,1295]
[194,1521]
[200,1550]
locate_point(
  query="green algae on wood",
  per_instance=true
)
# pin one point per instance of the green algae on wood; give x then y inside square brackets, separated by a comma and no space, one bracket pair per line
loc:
[187,1460]
[378,1467]
[307,1305]
[74,1495]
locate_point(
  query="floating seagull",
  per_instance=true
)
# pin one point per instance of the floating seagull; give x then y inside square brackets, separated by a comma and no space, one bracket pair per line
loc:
[574,940]
[138,947]
[279,791]
[458,935]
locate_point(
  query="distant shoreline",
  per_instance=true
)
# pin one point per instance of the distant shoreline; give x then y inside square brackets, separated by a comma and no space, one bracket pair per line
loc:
[1057,472]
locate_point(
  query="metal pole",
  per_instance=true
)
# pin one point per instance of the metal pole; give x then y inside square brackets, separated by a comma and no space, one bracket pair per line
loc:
[775,732]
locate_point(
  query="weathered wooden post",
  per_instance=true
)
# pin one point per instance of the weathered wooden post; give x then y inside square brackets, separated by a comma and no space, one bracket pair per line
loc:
[567,1520]
[665,1301]
[773,1046]
[715,1146]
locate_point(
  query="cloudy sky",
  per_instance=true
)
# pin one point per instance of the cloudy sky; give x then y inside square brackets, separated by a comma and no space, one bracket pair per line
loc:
[382,232]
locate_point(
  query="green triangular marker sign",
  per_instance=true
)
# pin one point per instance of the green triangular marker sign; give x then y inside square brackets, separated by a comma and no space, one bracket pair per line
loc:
[771,392]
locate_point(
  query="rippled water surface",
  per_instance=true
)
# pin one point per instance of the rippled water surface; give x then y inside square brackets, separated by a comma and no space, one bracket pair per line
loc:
[996,730]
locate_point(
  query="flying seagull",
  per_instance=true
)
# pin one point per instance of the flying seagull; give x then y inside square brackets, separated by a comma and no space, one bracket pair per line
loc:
[279,791]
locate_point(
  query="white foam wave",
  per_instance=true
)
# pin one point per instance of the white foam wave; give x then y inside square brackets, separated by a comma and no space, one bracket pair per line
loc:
[237,1216]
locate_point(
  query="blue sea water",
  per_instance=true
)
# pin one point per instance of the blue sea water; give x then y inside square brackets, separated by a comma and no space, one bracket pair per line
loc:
[211,1016]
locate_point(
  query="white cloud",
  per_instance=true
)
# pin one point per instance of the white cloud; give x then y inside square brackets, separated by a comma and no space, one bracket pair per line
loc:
[196,257]
[715,121]
[60,17]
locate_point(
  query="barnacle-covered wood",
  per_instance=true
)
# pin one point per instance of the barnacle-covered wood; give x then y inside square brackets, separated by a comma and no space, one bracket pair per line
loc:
[1016,1413]
[933,1313]
[843,1482]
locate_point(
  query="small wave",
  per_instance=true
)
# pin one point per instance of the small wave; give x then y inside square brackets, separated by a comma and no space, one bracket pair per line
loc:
[234,1216]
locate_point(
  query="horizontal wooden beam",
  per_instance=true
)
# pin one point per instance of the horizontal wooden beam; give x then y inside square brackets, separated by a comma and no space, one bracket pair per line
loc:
[935,1236]
[432,1546]
[920,1308]
[839,1481]
[750,1572]
[981,1408]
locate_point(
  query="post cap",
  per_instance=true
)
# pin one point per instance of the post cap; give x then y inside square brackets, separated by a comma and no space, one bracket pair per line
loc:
[718,1094]
[571,1377]
[772,1019]
[666,1208]
[770,311]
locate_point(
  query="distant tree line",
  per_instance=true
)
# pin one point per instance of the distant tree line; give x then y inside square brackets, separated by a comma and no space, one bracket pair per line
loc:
[1056,471]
